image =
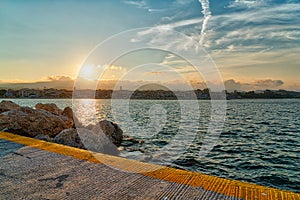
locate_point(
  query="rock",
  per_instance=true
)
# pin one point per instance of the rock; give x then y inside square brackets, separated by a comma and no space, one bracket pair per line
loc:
[31,122]
[50,107]
[66,115]
[69,137]
[130,141]
[7,106]
[141,141]
[69,122]
[128,138]
[131,149]
[44,137]
[103,137]
[121,148]
[97,141]
[68,112]
[5,130]
[47,122]
[112,131]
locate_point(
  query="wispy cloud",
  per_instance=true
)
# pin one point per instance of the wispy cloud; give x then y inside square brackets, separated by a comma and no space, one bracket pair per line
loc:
[249,36]
[207,15]
[183,2]
[270,15]
[181,23]
[138,3]
[274,27]
[248,3]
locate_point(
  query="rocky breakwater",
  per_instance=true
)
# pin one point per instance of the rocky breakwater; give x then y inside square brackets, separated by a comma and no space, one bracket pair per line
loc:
[48,122]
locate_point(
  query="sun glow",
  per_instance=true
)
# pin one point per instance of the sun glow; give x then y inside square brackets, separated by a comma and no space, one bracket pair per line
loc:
[88,72]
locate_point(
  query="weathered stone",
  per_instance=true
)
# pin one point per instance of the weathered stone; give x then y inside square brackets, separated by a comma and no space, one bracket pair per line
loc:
[44,137]
[130,141]
[95,140]
[69,122]
[47,121]
[32,122]
[7,106]
[112,131]
[69,137]
[50,107]
[68,112]
[121,148]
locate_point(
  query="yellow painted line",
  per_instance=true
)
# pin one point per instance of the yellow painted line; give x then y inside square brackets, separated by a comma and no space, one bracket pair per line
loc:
[215,184]
[52,147]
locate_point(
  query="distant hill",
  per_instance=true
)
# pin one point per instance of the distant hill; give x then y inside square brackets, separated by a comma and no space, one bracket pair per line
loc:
[268,94]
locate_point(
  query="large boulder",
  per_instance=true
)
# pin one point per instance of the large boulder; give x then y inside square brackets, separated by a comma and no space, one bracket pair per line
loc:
[69,137]
[103,137]
[44,137]
[112,131]
[50,107]
[68,112]
[97,141]
[86,139]
[32,122]
[8,105]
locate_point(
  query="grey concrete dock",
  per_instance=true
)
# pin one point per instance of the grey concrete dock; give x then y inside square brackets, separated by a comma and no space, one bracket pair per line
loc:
[34,169]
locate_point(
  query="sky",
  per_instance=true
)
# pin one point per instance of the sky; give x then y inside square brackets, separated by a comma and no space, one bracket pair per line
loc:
[255,44]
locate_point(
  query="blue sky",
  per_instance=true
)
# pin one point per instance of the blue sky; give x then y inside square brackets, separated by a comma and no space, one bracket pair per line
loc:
[254,43]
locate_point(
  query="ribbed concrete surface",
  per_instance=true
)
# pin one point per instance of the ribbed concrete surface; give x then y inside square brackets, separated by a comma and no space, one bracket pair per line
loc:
[29,173]
[41,170]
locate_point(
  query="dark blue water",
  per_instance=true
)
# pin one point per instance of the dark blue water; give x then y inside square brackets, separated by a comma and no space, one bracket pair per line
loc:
[260,143]
[260,140]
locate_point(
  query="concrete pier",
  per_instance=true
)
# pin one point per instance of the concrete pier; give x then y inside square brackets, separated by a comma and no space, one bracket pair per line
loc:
[35,169]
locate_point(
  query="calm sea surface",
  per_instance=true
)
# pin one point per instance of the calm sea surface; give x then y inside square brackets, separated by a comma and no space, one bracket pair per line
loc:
[260,141]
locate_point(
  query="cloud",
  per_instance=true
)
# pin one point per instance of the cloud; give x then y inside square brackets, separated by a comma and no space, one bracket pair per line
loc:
[232,85]
[248,3]
[65,82]
[268,83]
[156,10]
[181,23]
[57,82]
[139,4]
[275,26]
[183,2]
[174,61]
[270,27]
[273,15]
[154,73]
[59,78]
[207,15]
